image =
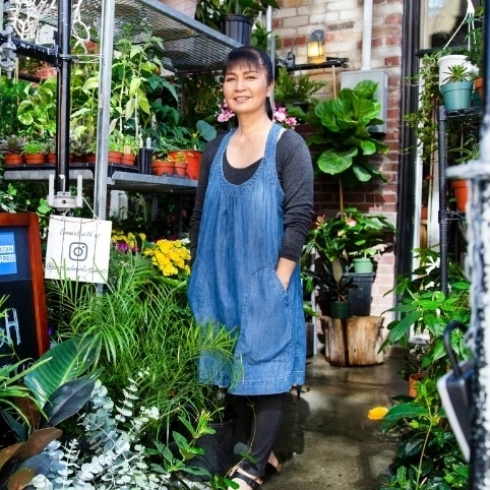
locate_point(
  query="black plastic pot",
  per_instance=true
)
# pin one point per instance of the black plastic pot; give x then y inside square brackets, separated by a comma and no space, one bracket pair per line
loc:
[360,296]
[218,450]
[340,310]
[238,27]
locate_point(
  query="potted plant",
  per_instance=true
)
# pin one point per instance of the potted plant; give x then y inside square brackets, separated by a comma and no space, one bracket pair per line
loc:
[130,148]
[469,150]
[236,17]
[115,148]
[456,88]
[11,148]
[474,54]
[190,143]
[50,150]
[333,287]
[34,153]
[295,90]
[346,145]
[366,236]
[162,163]
[181,164]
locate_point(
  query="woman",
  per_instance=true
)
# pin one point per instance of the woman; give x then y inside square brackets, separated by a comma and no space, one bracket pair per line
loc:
[252,213]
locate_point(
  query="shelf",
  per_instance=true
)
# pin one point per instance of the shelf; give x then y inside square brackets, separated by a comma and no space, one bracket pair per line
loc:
[151,183]
[124,181]
[189,46]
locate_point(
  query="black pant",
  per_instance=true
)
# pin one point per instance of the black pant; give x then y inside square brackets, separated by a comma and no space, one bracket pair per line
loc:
[261,417]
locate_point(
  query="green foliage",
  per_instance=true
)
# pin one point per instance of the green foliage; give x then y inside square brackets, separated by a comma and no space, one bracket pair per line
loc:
[140,321]
[62,363]
[330,280]
[11,94]
[428,456]
[37,111]
[424,120]
[34,147]
[291,89]
[13,144]
[457,73]
[475,37]
[347,146]
[348,235]
[260,38]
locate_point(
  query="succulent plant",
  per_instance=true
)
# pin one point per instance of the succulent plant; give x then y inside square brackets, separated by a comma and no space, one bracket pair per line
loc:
[13,144]
[50,146]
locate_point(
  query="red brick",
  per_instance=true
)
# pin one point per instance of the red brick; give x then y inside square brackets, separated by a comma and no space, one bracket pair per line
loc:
[393,61]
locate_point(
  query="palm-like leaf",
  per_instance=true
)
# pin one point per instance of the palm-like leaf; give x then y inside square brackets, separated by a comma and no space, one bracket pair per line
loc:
[63,362]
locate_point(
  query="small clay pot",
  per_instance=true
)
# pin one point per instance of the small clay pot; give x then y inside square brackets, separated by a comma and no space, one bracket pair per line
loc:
[51,158]
[180,168]
[161,167]
[12,159]
[35,159]
[115,157]
[128,159]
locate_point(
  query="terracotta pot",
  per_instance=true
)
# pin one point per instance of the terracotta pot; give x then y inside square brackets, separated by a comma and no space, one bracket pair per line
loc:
[13,159]
[115,157]
[424,213]
[35,159]
[180,168]
[128,159]
[160,167]
[193,158]
[479,87]
[413,379]
[52,158]
[90,158]
[460,190]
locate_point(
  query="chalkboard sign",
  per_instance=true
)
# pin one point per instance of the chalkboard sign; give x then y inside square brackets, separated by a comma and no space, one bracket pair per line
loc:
[25,324]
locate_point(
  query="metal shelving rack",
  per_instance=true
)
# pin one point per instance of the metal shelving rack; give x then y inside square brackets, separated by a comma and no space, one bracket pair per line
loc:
[189,46]
[467,118]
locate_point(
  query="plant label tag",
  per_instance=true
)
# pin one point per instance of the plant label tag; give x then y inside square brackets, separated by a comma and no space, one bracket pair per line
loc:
[78,249]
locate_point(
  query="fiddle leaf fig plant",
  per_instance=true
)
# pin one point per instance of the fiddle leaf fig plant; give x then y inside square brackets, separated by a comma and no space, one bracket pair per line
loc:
[344,135]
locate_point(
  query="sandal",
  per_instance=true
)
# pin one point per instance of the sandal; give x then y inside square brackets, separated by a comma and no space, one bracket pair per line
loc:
[271,470]
[253,484]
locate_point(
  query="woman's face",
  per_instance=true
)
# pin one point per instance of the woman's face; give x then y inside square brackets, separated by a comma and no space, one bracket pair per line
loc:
[245,89]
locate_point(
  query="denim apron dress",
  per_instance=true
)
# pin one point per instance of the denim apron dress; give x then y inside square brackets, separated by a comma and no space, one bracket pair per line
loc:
[234,284]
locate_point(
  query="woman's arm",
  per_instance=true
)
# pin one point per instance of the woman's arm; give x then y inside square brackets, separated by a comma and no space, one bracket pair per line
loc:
[295,172]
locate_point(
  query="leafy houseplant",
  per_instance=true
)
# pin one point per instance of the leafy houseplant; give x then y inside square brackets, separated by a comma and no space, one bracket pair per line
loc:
[457,87]
[348,146]
[332,286]
[366,236]
[295,90]
[34,153]
[12,148]
[428,456]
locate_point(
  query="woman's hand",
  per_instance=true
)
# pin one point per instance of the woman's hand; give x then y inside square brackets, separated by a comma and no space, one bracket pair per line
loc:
[284,271]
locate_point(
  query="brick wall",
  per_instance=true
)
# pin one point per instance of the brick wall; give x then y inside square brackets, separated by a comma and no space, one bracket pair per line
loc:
[342,22]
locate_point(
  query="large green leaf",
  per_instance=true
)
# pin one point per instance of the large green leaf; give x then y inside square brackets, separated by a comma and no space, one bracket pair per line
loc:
[67,400]
[400,328]
[335,162]
[63,362]
[361,173]
[368,147]
[205,130]
[405,411]
[324,112]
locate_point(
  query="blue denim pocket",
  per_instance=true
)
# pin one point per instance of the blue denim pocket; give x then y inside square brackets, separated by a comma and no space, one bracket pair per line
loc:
[266,326]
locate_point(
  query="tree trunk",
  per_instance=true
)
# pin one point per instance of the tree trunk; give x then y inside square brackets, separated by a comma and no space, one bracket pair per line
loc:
[353,341]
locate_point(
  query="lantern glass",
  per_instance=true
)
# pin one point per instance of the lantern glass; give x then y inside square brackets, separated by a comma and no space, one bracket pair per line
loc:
[315,44]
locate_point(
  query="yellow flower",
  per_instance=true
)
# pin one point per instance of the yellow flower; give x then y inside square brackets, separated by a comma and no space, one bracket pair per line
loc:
[142,236]
[377,413]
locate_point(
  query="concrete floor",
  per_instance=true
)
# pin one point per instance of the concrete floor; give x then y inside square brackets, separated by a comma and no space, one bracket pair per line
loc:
[326,439]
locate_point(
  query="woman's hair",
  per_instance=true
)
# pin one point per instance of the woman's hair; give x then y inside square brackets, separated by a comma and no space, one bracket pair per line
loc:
[254,58]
